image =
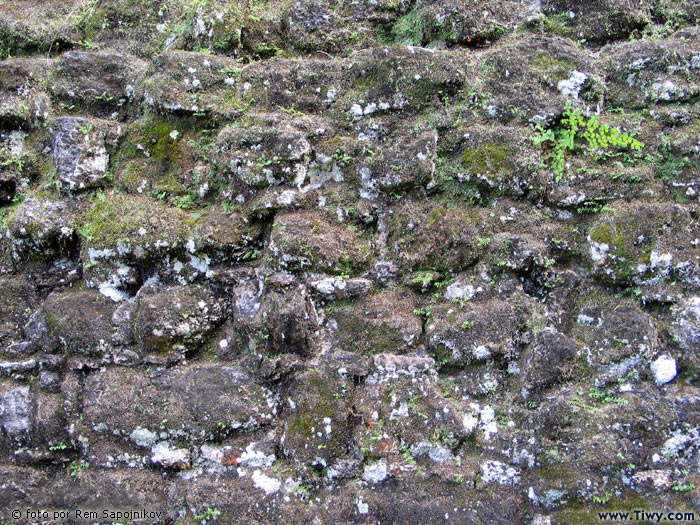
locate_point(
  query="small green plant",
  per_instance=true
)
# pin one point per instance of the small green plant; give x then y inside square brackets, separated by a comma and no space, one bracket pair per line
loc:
[76,466]
[342,158]
[605,397]
[448,387]
[467,325]
[406,455]
[440,435]
[104,96]
[304,488]
[423,312]
[684,487]
[186,202]
[291,111]
[424,278]
[572,126]
[60,446]
[604,499]
[86,129]
[207,515]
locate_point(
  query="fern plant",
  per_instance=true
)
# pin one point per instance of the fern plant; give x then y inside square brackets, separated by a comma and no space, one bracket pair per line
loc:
[598,137]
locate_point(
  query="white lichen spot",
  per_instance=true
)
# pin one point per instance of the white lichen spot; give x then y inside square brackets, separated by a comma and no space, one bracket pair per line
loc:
[266,483]
[497,472]
[571,87]
[375,473]
[599,250]
[664,369]
[255,458]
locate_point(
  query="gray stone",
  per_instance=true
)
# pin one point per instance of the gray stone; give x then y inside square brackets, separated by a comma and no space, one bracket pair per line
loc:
[40,228]
[49,381]
[664,369]
[334,288]
[497,472]
[167,456]
[375,473]
[11,367]
[22,349]
[79,153]
[686,328]
[14,410]
[547,360]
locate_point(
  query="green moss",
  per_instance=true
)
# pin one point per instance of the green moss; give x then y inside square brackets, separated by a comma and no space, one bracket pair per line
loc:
[113,218]
[323,397]
[603,233]
[409,29]
[555,472]
[551,68]
[154,137]
[486,159]
[150,153]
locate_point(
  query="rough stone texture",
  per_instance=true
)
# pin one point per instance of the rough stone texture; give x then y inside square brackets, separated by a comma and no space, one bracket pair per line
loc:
[313,261]
[76,321]
[79,154]
[103,82]
[178,318]
[306,241]
[547,360]
[40,229]
[382,323]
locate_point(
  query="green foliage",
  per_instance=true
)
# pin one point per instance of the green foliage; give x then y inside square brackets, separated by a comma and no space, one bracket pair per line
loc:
[76,466]
[409,29]
[207,515]
[603,499]
[671,166]
[684,487]
[605,397]
[9,161]
[423,312]
[572,128]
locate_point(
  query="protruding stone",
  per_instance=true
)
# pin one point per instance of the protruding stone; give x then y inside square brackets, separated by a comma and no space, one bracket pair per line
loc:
[664,369]
[79,153]
[14,410]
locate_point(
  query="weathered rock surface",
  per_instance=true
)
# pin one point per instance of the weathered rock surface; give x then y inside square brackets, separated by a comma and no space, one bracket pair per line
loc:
[79,154]
[313,261]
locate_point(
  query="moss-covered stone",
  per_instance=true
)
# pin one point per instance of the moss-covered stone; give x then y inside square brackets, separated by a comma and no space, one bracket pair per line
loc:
[317,431]
[597,22]
[382,323]
[305,241]
[81,320]
[176,318]
[652,72]
[25,103]
[478,330]
[102,83]
[643,244]
[17,296]
[194,404]
[430,235]
[40,229]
